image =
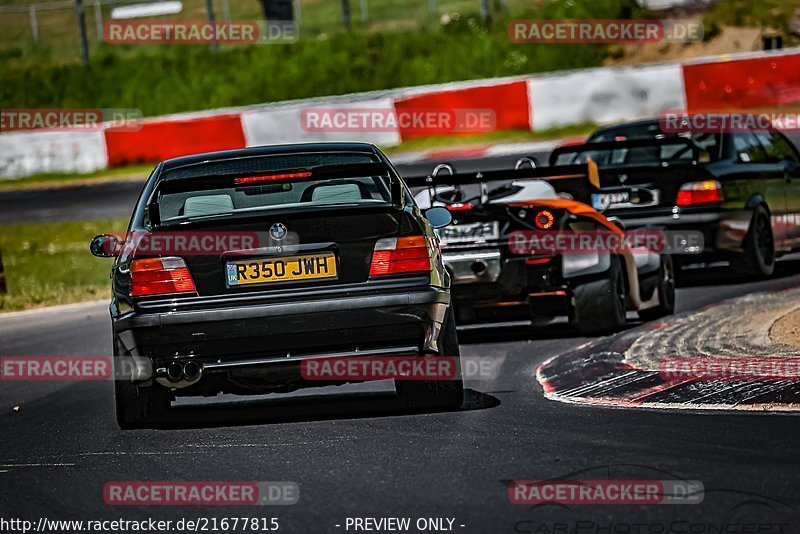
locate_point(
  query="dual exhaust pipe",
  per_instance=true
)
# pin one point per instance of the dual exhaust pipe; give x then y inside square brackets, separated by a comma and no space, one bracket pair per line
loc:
[186,372]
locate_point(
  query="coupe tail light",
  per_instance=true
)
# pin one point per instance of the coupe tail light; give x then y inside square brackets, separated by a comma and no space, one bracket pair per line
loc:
[401,255]
[160,276]
[705,192]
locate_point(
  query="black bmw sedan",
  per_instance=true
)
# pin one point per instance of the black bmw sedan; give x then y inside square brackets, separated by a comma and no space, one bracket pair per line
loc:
[241,269]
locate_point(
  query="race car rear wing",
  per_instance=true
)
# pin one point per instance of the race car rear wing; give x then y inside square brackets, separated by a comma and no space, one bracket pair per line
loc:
[577,180]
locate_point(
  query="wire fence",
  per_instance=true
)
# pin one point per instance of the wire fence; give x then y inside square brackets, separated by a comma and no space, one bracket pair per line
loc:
[53,26]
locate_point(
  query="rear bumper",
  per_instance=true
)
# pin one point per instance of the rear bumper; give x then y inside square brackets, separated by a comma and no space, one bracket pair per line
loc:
[246,340]
[520,292]
[722,231]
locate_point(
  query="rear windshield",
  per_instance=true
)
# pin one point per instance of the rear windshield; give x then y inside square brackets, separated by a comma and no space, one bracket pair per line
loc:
[648,155]
[212,203]
[710,142]
[181,200]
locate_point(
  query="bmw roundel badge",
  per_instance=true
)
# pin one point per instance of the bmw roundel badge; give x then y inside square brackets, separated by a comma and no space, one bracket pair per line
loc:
[278,231]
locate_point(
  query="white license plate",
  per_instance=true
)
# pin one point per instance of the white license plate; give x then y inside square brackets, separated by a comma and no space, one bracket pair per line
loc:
[603,201]
[470,233]
[635,197]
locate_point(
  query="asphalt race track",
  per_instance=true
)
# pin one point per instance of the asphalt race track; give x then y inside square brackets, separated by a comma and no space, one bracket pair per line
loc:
[116,199]
[353,453]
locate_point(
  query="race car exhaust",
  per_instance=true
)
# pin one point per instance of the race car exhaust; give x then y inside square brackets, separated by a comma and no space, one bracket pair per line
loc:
[479,267]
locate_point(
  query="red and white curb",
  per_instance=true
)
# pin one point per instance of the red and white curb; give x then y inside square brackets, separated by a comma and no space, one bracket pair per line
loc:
[602,373]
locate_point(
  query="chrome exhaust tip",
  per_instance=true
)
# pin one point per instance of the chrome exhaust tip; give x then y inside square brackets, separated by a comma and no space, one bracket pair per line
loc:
[180,374]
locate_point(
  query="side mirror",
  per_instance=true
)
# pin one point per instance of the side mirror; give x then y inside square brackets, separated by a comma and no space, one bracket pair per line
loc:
[105,246]
[438,216]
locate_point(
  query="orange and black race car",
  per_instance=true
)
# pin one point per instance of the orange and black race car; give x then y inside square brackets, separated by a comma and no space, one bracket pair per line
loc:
[520,249]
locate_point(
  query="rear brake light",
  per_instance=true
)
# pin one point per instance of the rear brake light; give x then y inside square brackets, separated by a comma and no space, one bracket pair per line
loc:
[400,255]
[160,276]
[544,220]
[249,180]
[705,192]
[538,261]
[460,206]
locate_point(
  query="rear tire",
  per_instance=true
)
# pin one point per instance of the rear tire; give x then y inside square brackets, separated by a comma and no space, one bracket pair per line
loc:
[758,256]
[666,292]
[428,394]
[600,304]
[139,407]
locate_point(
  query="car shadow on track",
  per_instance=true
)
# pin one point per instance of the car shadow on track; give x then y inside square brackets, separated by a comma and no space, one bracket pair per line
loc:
[308,408]
[717,276]
[493,334]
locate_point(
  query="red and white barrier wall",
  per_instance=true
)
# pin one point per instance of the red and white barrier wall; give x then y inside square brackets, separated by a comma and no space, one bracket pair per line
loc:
[600,95]
[604,95]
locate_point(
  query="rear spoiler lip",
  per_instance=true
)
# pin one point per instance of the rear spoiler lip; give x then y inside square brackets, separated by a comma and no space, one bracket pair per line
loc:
[631,143]
[318,171]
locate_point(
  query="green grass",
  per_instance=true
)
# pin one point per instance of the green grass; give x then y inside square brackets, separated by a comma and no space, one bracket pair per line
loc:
[774,14]
[167,79]
[317,19]
[48,264]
